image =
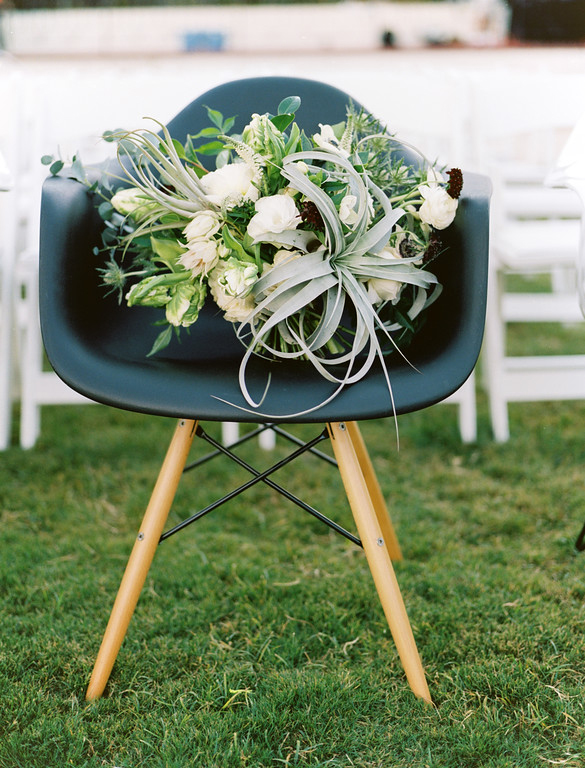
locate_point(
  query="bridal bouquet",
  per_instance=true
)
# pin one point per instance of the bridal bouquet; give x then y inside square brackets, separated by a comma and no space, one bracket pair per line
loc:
[316,248]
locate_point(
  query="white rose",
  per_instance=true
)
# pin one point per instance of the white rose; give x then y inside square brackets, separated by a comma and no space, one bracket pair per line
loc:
[383,289]
[230,185]
[380,290]
[204,224]
[439,208]
[274,214]
[347,212]
[201,257]
[236,309]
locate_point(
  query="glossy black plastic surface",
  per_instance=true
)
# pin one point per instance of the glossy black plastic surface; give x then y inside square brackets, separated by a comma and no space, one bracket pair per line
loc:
[99,347]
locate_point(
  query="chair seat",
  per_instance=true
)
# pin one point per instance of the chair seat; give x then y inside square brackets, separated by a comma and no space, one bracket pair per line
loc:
[537,245]
[531,202]
[543,377]
[198,378]
[556,307]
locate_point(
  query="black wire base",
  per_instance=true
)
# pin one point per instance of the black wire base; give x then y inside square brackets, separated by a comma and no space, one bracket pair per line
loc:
[263,477]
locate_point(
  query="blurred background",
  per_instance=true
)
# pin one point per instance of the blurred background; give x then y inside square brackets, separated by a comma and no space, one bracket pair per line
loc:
[492,86]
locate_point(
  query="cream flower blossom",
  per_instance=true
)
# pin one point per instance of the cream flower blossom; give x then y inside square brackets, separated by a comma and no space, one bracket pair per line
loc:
[439,208]
[274,215]
[201,257]
[261,134]
[221,284]
[383,289]
[131,201]
[238,277]
[347,211]
[204,224]
[231,185]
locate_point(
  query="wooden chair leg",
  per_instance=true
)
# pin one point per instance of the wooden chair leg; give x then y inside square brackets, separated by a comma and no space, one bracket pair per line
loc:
[376,551]
[388,532]
[142,554]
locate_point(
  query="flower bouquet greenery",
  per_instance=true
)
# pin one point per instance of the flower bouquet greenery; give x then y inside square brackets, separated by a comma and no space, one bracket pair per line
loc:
[315,248]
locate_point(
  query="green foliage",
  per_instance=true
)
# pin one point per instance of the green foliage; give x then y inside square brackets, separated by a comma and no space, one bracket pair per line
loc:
[259,640]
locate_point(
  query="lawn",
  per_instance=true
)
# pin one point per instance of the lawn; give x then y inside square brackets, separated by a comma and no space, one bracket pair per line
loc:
[259,640]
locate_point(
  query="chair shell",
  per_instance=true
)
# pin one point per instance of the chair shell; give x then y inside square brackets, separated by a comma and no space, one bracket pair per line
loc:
[99,347]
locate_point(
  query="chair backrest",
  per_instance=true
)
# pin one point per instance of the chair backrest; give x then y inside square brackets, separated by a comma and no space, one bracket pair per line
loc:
[100,347]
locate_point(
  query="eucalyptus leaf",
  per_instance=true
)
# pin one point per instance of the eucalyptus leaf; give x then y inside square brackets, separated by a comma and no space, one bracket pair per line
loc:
[78,171]
[57,167]
[290,105]
[105,210]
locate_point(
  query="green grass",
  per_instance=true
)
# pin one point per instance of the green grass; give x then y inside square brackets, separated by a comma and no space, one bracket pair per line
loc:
[259,640]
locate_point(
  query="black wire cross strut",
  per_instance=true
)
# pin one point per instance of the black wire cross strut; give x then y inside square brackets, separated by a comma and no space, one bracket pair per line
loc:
[303,447]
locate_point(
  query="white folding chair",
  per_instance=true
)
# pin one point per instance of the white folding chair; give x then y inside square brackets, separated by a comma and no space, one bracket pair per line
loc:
[49,120]
[520,122]
[6,252]
[569,172]
[39,100]
[9,89]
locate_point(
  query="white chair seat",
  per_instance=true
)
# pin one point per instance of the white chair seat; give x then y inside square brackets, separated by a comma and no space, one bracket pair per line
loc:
[530,245]
[543,377]
[533,201]
[541,308]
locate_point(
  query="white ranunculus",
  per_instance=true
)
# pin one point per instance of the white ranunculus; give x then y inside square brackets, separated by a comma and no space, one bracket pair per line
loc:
[347,211]
[204,224]
[274,214]
[236,308]
[201,257]
[383,289]
[237,277]
[230,185]
[439,208]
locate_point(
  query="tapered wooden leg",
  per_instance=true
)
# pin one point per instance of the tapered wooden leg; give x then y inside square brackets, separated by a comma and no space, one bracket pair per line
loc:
[142,555]
[378,557]
[388,532]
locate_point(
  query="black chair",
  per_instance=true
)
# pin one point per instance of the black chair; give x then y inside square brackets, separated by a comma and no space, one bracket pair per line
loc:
[100,349]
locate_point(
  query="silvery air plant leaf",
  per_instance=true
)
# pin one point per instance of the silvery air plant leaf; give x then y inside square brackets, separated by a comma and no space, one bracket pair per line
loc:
[316,249]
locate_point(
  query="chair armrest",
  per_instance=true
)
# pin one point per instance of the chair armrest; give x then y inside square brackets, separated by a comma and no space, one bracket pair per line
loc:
[69,232]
